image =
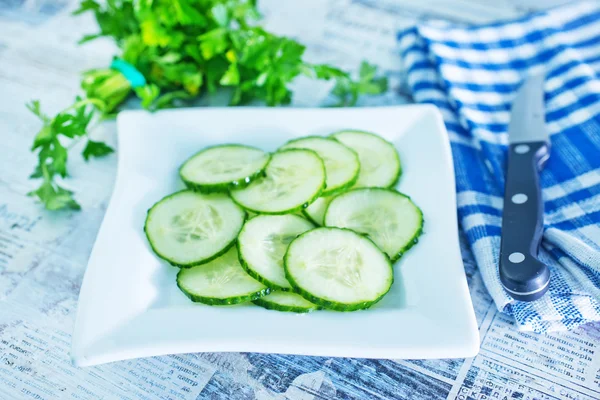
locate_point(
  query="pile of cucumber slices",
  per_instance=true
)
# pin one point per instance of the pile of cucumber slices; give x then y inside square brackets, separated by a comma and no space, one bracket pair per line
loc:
[316,224]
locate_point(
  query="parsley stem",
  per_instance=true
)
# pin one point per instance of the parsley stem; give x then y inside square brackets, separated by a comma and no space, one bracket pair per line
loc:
[45,172]
[97,102]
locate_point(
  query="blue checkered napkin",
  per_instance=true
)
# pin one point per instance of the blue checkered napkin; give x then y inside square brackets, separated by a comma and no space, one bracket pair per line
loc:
[472,75]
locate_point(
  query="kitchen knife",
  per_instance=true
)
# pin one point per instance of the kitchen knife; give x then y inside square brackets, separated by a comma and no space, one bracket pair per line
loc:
[523,276]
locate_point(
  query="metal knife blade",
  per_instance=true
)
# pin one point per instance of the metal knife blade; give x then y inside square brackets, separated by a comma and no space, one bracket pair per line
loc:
[523,276]
[527,122]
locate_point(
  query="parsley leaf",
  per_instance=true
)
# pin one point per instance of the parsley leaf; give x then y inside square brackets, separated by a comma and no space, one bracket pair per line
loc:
[96,149]
[55,197]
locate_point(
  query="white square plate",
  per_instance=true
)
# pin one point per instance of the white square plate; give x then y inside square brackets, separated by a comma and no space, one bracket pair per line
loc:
[130,306]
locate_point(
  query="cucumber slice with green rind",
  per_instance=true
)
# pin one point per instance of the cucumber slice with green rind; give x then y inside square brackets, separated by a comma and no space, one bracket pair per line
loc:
[294,179]
[388,217]
[286,301]
[315,212]
[338,269]
[222,281]
[262,243]
[189,228]
[379,160]
[223,167]
[341,163]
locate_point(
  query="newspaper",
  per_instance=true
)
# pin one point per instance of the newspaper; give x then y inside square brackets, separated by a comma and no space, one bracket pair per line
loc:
[43,255]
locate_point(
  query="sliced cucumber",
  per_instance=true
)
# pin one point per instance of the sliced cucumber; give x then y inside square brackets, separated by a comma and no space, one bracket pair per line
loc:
[220,282]
[316,210]
[189,228]
[220,168]
[341,164]
[379,161]
[262,244]
[294,178]
[390,218]
[338,269]
[286,301]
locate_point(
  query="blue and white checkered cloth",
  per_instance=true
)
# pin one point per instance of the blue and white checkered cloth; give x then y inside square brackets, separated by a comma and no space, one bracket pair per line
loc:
[472,74]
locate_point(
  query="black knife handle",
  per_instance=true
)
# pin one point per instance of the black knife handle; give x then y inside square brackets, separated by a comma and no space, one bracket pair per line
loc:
[523,276]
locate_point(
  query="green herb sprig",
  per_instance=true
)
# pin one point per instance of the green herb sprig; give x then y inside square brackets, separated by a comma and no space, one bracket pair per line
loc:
[184,49]
[52,143]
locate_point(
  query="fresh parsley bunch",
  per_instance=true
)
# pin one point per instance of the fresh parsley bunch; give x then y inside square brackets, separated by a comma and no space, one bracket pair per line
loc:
[183,49]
